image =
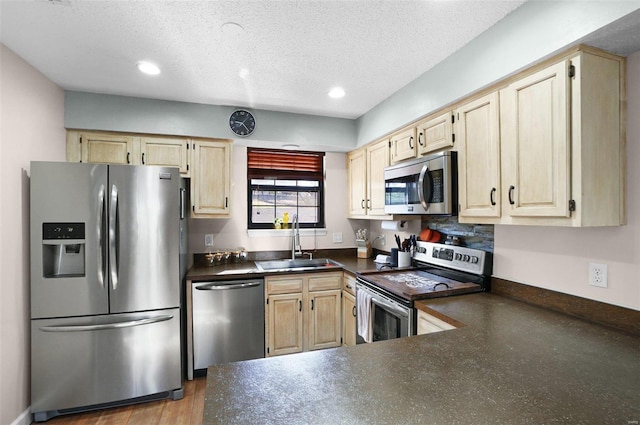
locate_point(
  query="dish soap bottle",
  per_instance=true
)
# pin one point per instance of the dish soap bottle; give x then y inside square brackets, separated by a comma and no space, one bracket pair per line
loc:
[285,219]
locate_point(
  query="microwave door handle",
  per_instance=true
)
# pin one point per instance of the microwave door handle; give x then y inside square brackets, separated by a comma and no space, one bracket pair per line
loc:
[422,188]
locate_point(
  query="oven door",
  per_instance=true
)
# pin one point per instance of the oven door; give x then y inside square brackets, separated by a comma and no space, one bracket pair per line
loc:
[389,319]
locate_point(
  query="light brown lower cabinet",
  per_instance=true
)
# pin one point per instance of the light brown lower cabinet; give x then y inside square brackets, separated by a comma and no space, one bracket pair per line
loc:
[303,312]
[429,324]
[349,325]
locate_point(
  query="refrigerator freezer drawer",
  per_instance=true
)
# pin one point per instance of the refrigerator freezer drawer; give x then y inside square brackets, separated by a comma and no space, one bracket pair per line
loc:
[79,362]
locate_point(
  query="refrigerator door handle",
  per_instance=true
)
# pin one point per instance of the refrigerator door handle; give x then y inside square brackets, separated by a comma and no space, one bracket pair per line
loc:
[107,326]
[183,203]
[113,237]
[99,229]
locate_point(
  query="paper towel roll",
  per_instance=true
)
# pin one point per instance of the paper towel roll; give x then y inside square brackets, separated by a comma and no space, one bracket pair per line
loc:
[390,225]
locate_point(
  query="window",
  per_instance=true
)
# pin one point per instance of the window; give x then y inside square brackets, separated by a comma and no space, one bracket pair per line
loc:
[280,182]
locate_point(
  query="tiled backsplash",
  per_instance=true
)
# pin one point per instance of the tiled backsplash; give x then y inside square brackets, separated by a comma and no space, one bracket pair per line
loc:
[478,236]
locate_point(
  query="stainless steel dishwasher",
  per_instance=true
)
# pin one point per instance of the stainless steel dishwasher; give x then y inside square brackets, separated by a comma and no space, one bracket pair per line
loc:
[228,321]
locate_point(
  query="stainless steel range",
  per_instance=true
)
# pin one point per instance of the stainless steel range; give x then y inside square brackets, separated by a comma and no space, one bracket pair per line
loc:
[385,299]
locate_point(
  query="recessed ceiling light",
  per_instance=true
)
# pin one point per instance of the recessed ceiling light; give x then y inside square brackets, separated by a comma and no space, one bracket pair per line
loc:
[148,68]
[336,93]
[243,73]
[291,147]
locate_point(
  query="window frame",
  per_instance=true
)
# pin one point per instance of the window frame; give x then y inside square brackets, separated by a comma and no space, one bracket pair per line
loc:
[282,174]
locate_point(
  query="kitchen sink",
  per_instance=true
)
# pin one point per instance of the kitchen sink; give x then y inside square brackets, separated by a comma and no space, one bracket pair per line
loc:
[297,264]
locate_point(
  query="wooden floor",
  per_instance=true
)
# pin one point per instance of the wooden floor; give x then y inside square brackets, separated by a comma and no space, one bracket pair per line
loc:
[187,411]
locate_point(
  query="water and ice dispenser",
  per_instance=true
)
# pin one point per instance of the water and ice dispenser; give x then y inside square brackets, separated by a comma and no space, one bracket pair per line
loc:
[63,250]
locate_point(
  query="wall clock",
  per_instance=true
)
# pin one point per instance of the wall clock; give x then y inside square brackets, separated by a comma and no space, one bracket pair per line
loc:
[242,122]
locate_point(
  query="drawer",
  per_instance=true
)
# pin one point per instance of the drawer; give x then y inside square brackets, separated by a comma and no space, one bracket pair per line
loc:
[349,283]
[285,285]
[324,281]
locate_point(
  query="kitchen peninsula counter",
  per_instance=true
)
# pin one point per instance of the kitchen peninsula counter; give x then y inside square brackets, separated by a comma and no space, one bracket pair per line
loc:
[511,363]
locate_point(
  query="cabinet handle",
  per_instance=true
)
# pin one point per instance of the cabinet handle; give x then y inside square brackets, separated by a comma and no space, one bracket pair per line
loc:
[300,309]
[511,189]
[143,158]
[411,142]
[353,311]
[368,203]
[492,196]
[128,155]
[362,204]
[419,138]
[312,304]
[226,202]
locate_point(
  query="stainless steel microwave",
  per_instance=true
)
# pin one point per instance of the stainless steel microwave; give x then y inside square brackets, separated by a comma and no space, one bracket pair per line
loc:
[428,185]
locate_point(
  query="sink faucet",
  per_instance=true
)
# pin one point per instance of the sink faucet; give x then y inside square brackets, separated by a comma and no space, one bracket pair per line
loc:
[296,248]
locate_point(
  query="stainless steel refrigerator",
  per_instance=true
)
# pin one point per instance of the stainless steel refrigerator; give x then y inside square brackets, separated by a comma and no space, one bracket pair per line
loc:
[105,286]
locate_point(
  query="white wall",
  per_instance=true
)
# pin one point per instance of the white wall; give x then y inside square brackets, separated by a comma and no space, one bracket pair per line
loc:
[32,116]
[231,233]
[558,259]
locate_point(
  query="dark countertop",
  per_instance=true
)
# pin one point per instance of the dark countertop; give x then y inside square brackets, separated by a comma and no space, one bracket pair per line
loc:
[247,269]
[511,364]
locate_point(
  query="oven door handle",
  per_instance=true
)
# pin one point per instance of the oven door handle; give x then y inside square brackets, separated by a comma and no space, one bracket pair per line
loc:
[394,309]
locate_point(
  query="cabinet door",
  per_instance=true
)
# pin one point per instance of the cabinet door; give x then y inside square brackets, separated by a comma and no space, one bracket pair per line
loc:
[435,134]
[211,179]
[429,324]
[165,152]
[403,145]
[107,149]
[377,159]
[348,318]
[478,132]
[284,319]
[324,330]
[535,140]
[357,184]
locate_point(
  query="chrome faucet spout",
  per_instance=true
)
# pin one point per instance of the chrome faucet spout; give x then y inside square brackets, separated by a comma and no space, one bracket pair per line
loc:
[296,247]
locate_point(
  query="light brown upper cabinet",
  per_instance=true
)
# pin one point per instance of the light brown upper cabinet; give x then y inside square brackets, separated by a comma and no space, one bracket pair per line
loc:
[211,179]
[435,134]
[478,143]
[105,148]
[562,138]
[365,170]
[403,145]
[206,161]
[168,152]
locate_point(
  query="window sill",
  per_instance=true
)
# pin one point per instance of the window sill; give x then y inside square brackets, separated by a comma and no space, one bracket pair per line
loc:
[261,233]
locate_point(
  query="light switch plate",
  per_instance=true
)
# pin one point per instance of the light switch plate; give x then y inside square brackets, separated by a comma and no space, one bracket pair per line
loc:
[208,240]
[337,237]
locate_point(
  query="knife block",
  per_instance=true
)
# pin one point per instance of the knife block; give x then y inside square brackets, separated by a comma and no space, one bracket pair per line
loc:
[364,248]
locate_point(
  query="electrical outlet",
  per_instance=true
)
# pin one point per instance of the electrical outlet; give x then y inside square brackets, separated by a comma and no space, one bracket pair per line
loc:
[208,240]
[337,237]
[382,239]
[598,275]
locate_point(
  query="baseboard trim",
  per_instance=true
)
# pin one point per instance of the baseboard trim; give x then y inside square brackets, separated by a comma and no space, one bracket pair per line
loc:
[621,318]
[24,418]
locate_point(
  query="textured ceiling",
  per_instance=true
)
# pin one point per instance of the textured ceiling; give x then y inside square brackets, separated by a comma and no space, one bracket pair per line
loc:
[282,55]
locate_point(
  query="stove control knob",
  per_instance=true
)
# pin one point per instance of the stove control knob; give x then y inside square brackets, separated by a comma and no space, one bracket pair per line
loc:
[458,257]
[466,258]
[475,259]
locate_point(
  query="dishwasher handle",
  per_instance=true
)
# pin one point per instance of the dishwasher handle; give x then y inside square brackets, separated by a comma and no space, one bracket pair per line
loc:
[213,286]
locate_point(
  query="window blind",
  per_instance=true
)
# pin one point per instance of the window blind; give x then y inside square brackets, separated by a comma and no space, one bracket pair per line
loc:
[272,163]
